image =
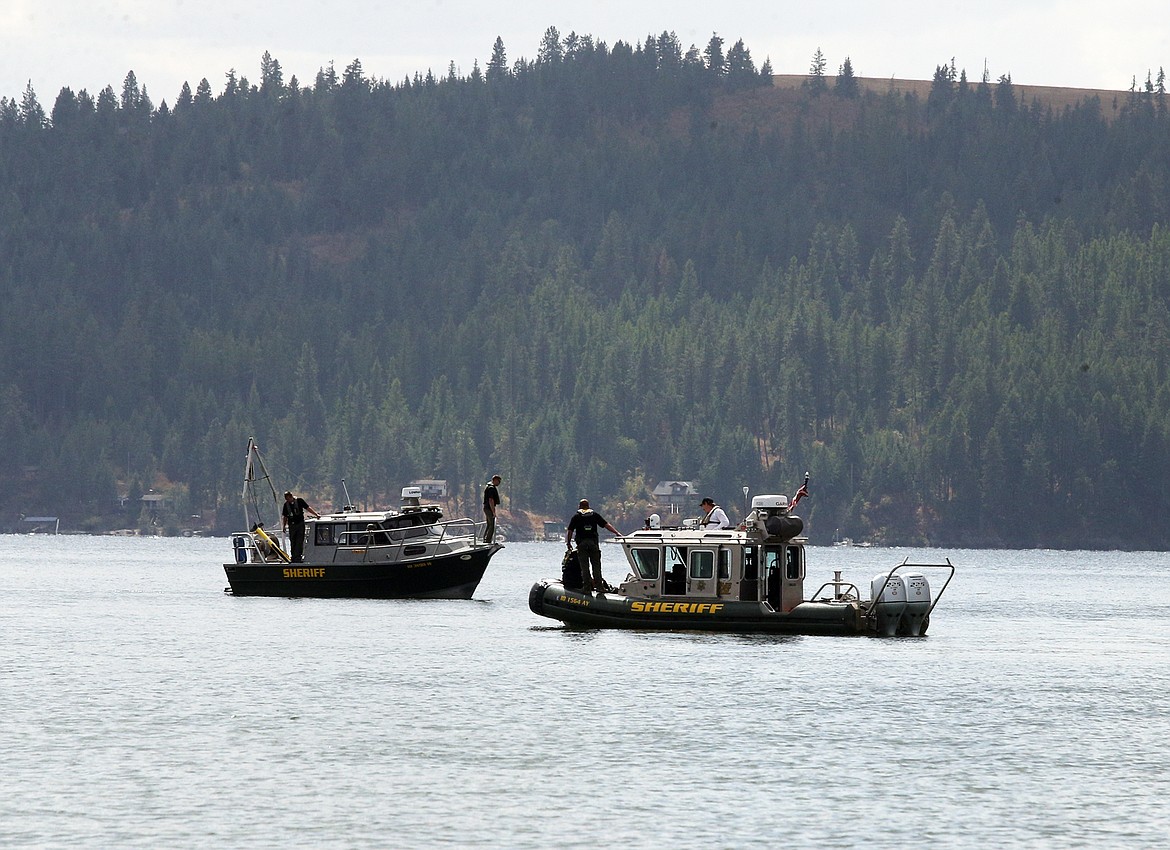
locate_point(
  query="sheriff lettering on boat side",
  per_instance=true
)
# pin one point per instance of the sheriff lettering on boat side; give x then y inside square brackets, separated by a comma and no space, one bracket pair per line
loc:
[304,572]
[677,607]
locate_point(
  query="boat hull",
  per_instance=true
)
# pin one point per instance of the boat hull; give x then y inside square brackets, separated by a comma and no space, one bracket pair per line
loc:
[453,576]
[615,611]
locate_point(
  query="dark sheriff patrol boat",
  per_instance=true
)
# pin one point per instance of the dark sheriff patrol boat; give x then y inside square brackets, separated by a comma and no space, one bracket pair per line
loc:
[749,579]
[409,553]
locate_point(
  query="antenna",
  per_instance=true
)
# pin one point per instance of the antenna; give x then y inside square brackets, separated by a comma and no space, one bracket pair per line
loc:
[348,500]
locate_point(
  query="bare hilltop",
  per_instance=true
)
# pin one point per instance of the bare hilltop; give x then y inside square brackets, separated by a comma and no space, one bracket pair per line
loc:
[1055,97]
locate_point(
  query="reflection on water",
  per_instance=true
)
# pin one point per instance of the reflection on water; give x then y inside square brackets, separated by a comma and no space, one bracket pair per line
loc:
[143,707]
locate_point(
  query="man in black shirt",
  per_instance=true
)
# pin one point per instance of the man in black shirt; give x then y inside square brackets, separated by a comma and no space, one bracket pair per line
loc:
[585,523]
[491,501]
[292,519]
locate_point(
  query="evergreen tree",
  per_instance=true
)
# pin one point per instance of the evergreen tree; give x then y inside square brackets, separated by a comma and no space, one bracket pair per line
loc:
[816,74]
[551,50]
[497,68]
[713,55]
[846,85]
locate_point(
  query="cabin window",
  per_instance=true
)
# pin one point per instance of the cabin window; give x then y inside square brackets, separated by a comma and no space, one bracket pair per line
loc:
[749,563]
[409,532]
[794,562]
[646,563]
[703,564]
[725,565]
[324,535]
[365,534]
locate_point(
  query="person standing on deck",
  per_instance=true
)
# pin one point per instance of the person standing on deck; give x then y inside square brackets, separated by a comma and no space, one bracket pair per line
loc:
[292,520]
[491,501]
[585,523]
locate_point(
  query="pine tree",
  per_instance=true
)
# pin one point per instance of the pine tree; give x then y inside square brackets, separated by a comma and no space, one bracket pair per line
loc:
[816,74]
[713,54]
[846,85]
[497,69]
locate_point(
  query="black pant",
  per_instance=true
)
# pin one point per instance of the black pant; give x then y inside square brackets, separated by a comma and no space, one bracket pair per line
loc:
[296,541]
[589,555]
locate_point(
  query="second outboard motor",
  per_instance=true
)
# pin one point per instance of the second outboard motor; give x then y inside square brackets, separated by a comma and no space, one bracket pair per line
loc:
[889,603]
[917,604]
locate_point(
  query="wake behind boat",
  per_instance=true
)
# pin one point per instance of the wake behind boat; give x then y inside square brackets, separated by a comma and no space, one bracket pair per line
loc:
[408,553]
[748,579]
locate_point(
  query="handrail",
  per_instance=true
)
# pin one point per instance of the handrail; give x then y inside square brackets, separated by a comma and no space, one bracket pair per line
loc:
[451,529]
[256,555]
[838,596]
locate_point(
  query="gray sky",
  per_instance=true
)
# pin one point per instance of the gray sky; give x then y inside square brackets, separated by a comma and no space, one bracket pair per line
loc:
[88,44]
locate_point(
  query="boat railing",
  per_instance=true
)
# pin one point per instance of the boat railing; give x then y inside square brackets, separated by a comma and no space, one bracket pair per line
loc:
[843,591]
[906,563]
[395,539]
[251,547]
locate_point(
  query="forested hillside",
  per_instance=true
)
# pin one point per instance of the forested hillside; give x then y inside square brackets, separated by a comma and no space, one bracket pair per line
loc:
[591,271]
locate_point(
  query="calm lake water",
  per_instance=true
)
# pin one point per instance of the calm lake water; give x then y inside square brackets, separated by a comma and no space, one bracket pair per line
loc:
[140,706]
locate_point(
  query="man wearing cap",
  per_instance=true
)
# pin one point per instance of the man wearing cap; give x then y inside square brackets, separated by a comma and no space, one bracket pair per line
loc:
[585,523]
[491,501]
[714,517]
[292,519]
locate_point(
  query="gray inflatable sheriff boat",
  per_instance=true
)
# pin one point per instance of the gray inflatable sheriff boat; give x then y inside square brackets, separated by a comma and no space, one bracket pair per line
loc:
[749,579]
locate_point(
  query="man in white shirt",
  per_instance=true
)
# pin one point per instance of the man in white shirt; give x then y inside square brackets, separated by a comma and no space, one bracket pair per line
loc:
[714,517]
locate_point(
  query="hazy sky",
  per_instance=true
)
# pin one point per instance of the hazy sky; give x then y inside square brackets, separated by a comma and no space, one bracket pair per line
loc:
[88,44]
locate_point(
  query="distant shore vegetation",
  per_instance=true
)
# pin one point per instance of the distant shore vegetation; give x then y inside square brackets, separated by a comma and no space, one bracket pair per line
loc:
[591,271]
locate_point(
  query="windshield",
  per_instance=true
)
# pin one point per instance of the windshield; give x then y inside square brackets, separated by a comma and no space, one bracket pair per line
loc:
[646,563]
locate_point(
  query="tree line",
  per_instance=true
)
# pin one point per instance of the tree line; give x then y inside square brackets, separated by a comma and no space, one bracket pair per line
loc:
[591,271]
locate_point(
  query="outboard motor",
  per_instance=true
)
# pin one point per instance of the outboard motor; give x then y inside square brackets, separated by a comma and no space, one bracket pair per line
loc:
[917,604]
[887,609]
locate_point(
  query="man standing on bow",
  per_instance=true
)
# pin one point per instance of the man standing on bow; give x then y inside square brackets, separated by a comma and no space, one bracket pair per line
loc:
[585,523]
[491,501]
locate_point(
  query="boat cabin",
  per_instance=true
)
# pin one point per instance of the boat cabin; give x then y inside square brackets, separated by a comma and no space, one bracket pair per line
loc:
[761,561]
[732,565]
[373,528]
